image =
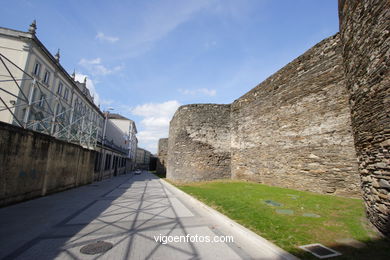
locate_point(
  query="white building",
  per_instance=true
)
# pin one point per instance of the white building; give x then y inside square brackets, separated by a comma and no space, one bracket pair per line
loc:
[112,158]
[37,93]
[129,130]
[117,149]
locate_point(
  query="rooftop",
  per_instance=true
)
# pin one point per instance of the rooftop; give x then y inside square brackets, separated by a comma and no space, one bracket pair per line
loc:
[117,116]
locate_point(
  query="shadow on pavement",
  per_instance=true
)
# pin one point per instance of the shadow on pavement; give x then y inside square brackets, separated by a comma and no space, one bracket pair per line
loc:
[123,216]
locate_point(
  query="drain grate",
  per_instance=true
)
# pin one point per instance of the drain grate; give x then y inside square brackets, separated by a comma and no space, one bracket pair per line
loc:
[311,215]
[273,203]
[320,251]
[285,211]
[96,248]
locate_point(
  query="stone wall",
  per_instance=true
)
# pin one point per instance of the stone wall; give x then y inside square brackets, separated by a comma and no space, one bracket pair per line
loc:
[303,126]
[199,143]
[293,130]
[162,155]
[34,164]
[365,30]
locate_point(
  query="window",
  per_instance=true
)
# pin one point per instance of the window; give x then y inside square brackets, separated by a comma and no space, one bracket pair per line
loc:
[66,93]
[46,78]
[63,113]
[59,90]
[41,102]
[37,69]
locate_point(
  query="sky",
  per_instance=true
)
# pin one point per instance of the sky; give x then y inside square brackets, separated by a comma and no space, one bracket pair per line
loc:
[145,58]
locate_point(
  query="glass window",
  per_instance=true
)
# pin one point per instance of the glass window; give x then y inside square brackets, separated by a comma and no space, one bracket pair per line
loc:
[37,69]
[46,78]
[66,93]
[59,90]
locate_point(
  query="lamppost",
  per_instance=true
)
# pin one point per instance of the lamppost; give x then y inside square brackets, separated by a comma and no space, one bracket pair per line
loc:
[106,113]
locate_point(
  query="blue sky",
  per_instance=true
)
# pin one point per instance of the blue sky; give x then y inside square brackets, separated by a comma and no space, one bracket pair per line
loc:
[144,58]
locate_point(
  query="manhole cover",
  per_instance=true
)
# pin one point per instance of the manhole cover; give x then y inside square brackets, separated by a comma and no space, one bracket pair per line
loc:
[96,248]
[273,203]
[320,251]
[285,211]
[292,196]
[311,215]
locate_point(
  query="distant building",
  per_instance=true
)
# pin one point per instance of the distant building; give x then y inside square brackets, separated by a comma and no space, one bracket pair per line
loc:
[129,129]
[143,159]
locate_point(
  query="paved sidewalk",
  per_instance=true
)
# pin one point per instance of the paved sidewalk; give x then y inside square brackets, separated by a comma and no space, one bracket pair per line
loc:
[125,211]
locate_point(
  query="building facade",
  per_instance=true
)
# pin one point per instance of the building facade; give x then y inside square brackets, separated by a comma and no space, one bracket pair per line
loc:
[37,93]
[143,159]
[129,131]
[115,150]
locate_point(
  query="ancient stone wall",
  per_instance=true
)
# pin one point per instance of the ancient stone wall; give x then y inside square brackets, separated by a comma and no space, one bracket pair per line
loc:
[365,31]
[34,164]
[199,143]
[162,156]
[293,130]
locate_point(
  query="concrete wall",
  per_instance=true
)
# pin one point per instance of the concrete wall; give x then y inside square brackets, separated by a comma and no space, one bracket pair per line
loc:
[294,130]
[364,28]
[34,164]
[199,143]
[162,155]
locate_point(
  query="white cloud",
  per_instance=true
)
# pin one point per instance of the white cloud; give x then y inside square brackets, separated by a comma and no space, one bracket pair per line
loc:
[90,85]
[90,62]
[101,36]
[158,19]
[199,91]
[210,44]
[155,122]
[106,101]
[96,67]
[166,109]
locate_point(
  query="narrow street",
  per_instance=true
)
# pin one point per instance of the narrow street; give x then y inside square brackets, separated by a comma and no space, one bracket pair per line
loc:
[126,211]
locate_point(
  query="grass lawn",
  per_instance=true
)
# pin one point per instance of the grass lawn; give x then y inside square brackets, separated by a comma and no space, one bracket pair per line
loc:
[290,218]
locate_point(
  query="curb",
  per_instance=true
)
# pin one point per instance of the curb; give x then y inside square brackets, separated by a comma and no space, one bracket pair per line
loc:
[252,240]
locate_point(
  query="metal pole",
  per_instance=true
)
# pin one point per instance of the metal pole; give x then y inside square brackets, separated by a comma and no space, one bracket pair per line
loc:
[82,129]
[70,122]
[53,121]
[103,142]
[29,101]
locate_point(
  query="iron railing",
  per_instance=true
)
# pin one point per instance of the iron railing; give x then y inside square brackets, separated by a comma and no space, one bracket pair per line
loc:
[49,113]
